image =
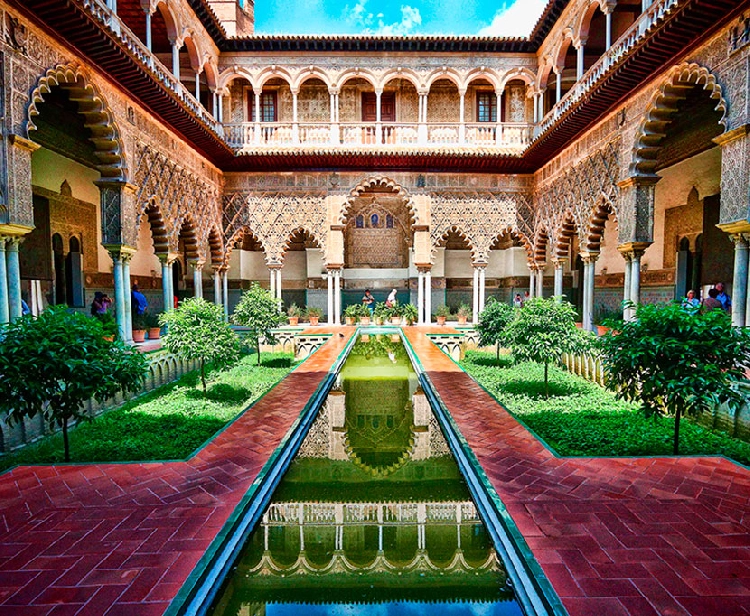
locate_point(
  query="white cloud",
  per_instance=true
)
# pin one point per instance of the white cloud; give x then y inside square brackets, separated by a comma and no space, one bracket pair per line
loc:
[515,20]
[371,23]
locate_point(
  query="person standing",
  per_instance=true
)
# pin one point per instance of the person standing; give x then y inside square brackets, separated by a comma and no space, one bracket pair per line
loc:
[518,301]
[391,301]
[726,301]
[711,302]
[140,303]
[369,301]
[691,302]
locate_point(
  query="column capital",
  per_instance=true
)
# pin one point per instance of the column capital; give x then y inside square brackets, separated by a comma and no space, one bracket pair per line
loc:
[479,265]
[559,262]
[740,240]
[167,258]
[23,143]
[8,231]
[630,250]
[740,226]
[120,251]
[732,135]
[334,267]
[274,266]
[639,180]
[589,257]
[423,268]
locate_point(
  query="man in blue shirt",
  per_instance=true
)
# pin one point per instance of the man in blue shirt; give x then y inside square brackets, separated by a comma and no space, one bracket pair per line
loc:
[139,301]
[726,302]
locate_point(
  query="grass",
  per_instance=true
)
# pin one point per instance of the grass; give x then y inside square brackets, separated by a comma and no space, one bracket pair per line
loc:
[167,423]
[582,419]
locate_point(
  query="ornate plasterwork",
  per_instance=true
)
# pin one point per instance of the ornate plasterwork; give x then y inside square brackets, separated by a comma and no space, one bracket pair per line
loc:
[378,183]
[273,218]
[480,218]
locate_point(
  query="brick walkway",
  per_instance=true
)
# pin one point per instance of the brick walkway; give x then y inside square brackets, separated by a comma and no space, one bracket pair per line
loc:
[642,536]
[79,539]
[629,536]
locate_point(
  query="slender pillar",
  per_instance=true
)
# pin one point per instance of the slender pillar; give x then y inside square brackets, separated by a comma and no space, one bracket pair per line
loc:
[198,279]
[219,110]
[558,290]
[122,321]
[420,295]
[589,270]
[635,279]
[170,279]
[128,297]
[739,281]
[4,300]
[540,280]
[378,117]
[428,297]
[482,271]
[225,285]
[337,297]
[579,60]
[330,297]
[461,118]
[166,299]
[176,60]
[532,281]
[475,297]
[217,288]
[627,312]
[295,120]
[272,274]
[278,284]
[558,85]
[608,33]
[14,279]
[148,29]
[257,116]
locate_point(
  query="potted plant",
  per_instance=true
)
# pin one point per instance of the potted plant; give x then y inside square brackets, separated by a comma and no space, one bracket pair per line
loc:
[139,327]
[351,313]
[294,313]
[151,322]
[381,313]
[313,314]
[463,313]
[442,313]
[394,313]
[410,313]
[109,324]
[364,315]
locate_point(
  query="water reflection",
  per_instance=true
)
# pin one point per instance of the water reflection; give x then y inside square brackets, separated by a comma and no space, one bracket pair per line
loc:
[372,516]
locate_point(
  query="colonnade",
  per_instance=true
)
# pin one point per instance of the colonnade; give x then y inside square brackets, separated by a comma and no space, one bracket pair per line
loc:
[10,278]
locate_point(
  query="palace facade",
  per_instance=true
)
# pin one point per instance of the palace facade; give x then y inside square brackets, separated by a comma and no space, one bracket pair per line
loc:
[159,142]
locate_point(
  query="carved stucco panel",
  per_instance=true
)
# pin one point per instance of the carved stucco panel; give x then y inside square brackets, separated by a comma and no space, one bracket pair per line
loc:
[735,178]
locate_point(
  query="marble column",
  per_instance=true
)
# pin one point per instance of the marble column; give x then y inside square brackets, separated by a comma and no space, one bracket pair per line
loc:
[589,271]
[475,297]
[540,280]
[558,290]
[278,284]
[128,296]
[176,59]
[627,312]
[272,275]
[165,271]
[420,291]
[198,279]
[225,286]
[4,299]
[635,280]
[739,281]
[148,28]
[217,287]
[122,321]
[428,297]
[337,297]
[482,289]
[14,278]
[532,282]
[330,277]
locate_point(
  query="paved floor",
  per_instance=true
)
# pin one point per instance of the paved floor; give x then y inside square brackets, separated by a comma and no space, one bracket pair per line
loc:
[628,536]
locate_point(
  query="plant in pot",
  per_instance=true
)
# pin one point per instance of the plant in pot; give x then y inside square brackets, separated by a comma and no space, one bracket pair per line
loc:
[410,313]
[294,313]
[463,314]
[139,327]
[313,314]
[395,313]
[351,313]
[151,321]
[381,313]
[442,313]
[109,324]
[364,315]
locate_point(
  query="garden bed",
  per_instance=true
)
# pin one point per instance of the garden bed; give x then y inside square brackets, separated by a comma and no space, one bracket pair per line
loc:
[167,423]
[582,419]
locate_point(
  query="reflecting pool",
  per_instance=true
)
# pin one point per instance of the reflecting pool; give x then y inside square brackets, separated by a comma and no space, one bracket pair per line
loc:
[372,517]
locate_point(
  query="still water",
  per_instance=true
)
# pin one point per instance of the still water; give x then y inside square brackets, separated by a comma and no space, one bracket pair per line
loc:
[372,518]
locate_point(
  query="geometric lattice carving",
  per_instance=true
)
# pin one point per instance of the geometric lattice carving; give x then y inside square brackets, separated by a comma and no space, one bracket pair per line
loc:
[273,218]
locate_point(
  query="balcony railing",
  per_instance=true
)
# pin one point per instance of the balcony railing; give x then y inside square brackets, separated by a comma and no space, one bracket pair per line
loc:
[110,21]
[640,29]
[505,135]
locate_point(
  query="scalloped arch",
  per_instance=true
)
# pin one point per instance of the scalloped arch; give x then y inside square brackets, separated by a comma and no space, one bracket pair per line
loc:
[521,237]
[464,236]
[650,133]
[237,235]
[378,181]
[603,210]
[298,229]
[91,104]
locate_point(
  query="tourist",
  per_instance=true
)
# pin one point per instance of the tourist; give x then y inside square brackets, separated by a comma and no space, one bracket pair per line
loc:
[369,301]
[140,303]
[518,301]
[391,301]
[690,302]
[726,301]
[526,298]
[101,303]
[712,302]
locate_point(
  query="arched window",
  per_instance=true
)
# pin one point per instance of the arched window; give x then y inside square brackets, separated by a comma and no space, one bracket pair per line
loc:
[74,274]
[388,221]
[374,221]
[359,222]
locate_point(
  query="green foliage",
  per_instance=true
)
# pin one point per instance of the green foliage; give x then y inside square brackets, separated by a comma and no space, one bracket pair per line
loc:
[394,311]
[543,330]
[139,321]
[381,310]
[353,311]
[258,310]
[197,331]
[168,423]
[109,323]
[582,419]
[313,311]
[442,311]
[464,310]
[293,310]
[493,321]
[676,362]
[151,319]
[410,313]
[53,364]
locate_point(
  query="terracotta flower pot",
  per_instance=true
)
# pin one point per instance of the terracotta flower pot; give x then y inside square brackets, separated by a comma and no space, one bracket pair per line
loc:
[462,320]
[364,320]
[154,333]
[139,335]
[395,320]
[314,320]
[293,320]
[350,320]
[441,320]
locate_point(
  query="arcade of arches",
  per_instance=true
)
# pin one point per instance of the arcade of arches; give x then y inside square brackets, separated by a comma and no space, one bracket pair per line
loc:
[648,202]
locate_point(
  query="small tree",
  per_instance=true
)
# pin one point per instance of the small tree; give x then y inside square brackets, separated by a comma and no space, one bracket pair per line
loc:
[493,320]
[258,310]
[675,361]
[197,331]
[543,331]
[53,364]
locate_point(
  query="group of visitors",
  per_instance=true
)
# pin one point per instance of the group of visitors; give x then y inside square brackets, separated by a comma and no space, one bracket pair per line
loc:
[102,302]
[717,300]
[520,302]
[369,301]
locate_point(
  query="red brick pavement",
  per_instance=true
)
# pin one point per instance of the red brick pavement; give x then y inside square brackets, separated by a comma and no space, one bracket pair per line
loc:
[123,538]
[641,536]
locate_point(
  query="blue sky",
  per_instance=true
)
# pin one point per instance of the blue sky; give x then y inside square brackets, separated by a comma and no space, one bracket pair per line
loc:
[397,17]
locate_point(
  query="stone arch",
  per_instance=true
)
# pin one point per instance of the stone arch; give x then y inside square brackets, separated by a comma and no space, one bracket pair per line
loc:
[227,76]
[193,50]
[356,73]
[378,182]
[482,73]
[541,241]
[401,73]
[211,71]
[592,236]
[583,23]
[295,231]
[523,74]
[170,19]
[561,50]
[651,130]
[565,235]
[445,72]
[520,236]
[159,227]
[475,256]
[188,231]
[98,116]
[235,237]
[215,252]
[311,72]
[272,72]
